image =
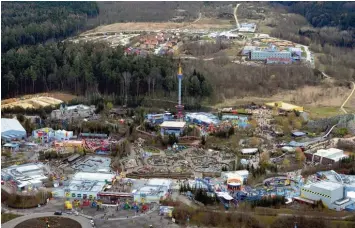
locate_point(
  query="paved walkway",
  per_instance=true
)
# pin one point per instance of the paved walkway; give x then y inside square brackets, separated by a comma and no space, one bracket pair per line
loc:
[85,223]
[347,99]
[235,15]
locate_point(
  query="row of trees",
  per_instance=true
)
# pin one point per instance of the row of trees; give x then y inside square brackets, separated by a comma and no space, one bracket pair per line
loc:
[335,43]
[269,201]
[88,68]
[333,14]
[30,23]
[203,218]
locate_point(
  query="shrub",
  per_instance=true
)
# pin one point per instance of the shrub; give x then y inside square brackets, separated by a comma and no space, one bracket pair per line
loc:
[27,201]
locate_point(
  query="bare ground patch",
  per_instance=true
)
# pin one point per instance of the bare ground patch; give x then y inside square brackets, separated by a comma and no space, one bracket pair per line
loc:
[37,100]
[204,23]
[306,96]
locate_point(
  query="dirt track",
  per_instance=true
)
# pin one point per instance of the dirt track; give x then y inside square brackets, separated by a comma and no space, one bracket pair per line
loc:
[308,95]
[149,26]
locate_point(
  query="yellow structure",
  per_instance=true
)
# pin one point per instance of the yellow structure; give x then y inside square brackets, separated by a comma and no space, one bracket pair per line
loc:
[180,69]
[68,205]
[284,106]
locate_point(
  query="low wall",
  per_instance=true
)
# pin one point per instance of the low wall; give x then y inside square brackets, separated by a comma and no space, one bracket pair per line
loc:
[160,175]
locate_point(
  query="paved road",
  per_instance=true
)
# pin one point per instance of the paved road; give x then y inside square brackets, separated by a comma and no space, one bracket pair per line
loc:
[235,15]
[85,223]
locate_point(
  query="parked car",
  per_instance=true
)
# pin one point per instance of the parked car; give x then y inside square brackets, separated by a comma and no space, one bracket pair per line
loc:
[58,213]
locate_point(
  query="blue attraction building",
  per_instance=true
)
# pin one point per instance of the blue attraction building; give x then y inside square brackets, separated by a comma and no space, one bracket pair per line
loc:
[159,118]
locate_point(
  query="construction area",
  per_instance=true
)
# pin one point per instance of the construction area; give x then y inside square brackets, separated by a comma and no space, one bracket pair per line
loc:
[34,102]
[38,100]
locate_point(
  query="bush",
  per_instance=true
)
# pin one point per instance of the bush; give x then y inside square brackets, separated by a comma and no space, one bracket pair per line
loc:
[26,201]
[5,217]
[172,139]
[301,223]
[341,132]
[213,219]
[269,201]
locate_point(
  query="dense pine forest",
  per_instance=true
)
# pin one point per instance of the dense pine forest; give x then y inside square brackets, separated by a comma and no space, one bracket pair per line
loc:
[334,21]
[35,59]
[30,23]
[321,14]
[88,68]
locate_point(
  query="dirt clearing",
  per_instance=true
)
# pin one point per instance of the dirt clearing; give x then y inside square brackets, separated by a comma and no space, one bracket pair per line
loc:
[325,101]
[149,26]
[37,100]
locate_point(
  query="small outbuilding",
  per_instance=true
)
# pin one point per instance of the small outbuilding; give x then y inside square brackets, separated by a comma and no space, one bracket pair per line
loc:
[172,127]
[248,151]
[298,134]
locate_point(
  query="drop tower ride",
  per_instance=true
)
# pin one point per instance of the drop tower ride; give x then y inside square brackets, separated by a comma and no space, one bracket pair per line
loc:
[179,107]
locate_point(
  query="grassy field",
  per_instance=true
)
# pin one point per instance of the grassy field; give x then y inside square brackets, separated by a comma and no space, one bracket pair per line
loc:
[268,220]
[265,219]
[322,112]
[7,217]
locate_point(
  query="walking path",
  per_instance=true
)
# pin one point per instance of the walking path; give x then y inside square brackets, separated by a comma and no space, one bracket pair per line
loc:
[235,15]
[347,99]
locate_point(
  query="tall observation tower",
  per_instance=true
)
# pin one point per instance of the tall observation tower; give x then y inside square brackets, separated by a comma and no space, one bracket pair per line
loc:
[179,107]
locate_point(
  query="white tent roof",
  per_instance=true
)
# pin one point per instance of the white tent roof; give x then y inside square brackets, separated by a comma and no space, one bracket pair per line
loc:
[249,150]
[11,125]
[173,124]
[224,195]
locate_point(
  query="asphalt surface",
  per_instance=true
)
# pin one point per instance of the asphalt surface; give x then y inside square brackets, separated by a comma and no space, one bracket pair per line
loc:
[84,222]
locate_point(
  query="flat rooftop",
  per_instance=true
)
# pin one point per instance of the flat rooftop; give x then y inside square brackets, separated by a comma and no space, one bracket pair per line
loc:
[327,185]
[173,124]
[86,185]
[93,176]
[331,153]
[92,164]
[25,174]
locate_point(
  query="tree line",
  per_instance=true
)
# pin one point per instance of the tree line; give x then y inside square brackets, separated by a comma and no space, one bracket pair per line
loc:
[30,23]
[334,46]
[89,68]
[333,14]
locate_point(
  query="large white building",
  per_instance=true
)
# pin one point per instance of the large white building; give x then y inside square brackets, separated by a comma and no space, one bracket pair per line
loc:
[75,111]
[11,129]
[153,191]
[26,176]
[247,27]
[264,55]
[172,127]
[331,194]
[327,156]
[86,185]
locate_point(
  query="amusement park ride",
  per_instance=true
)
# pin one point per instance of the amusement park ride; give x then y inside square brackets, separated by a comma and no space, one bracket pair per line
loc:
[179,107]
[288,187]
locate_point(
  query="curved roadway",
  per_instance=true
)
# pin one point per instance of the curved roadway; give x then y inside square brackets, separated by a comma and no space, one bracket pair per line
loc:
[235,15]
[84,222]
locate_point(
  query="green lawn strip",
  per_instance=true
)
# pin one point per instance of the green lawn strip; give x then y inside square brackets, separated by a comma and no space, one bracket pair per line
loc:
[323,111]
[5,217]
